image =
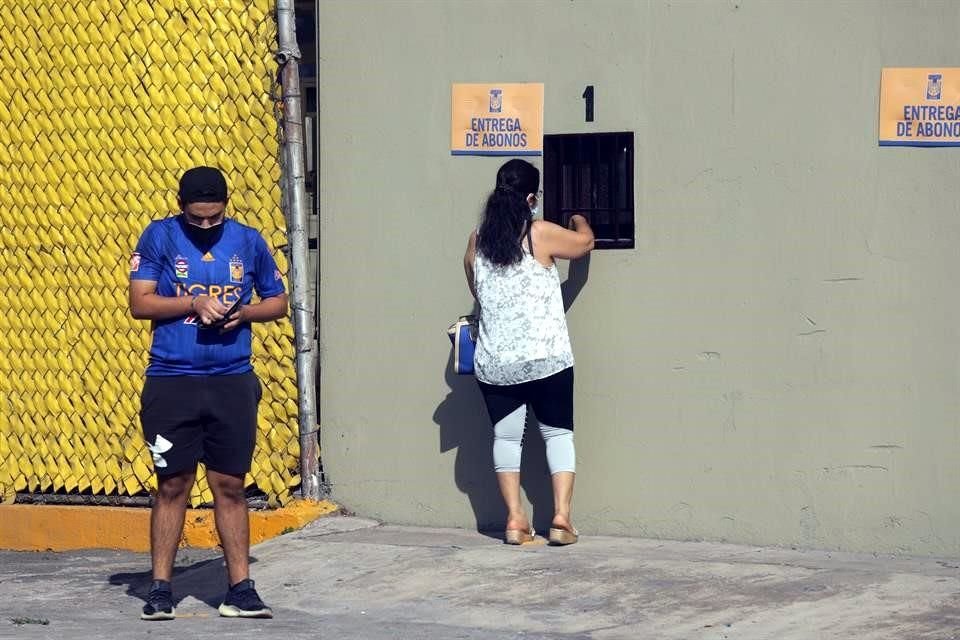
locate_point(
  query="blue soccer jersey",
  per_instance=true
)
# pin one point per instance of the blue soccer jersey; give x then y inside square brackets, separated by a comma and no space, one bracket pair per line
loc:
[236,266]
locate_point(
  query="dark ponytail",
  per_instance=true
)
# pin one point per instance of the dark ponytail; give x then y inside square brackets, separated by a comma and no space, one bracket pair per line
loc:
[507,213]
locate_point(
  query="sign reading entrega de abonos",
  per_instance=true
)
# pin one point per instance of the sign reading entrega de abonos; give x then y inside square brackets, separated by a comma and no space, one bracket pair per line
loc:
[497,119]
[920,107]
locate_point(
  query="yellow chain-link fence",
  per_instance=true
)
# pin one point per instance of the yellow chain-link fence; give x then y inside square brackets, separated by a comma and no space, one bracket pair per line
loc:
[103,104]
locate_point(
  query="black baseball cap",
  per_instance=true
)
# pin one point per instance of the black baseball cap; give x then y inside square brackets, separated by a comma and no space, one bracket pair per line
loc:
[202,184]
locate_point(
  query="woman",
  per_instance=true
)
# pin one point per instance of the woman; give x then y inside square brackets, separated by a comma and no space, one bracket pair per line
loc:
[523,353]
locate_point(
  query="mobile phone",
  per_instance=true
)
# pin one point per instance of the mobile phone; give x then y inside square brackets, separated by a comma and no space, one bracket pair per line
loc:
[219,323]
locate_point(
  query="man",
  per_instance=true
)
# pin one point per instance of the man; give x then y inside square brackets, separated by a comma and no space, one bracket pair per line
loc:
[193,276]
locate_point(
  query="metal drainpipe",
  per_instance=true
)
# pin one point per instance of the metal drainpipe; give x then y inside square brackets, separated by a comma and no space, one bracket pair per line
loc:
[288,56]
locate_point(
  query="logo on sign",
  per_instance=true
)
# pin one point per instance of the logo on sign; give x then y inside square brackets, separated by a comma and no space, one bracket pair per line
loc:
[496,100]
[934,86]
[180,267]
[236,269]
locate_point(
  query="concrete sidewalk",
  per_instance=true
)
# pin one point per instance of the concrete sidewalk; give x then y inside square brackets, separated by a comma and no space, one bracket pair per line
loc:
[349,578]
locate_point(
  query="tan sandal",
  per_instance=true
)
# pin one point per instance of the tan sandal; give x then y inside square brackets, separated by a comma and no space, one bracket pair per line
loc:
[519,536]
[562,536]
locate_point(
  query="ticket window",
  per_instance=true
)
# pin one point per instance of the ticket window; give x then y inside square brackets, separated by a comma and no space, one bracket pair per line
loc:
[591,174]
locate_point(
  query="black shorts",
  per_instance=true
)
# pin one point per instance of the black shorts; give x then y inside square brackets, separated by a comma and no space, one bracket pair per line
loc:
[209,419]
[551,399]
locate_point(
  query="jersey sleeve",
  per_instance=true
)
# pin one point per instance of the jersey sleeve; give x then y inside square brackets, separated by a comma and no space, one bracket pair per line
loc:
[146,262]
[267,279]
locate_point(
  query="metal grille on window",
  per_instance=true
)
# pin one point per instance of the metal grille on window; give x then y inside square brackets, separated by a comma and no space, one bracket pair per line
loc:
[591,174]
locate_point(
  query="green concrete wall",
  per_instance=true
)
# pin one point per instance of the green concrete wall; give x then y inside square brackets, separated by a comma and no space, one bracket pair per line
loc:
[775,363]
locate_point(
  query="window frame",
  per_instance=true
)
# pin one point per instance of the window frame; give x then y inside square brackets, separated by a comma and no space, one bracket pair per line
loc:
[557,190]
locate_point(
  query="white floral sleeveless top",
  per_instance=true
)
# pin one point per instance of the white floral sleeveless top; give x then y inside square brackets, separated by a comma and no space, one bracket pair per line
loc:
[523,331]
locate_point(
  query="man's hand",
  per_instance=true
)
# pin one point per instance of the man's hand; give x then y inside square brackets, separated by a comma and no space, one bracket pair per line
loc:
[267,309]
[208,309]
[235,319]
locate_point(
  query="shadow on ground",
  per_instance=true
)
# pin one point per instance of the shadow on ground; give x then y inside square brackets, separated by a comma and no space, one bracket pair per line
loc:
[205,580]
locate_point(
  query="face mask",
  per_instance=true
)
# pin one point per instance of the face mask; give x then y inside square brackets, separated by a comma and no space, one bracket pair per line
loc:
[203,237]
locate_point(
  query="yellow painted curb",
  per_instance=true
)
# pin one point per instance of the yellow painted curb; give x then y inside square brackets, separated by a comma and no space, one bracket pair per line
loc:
[30,527]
